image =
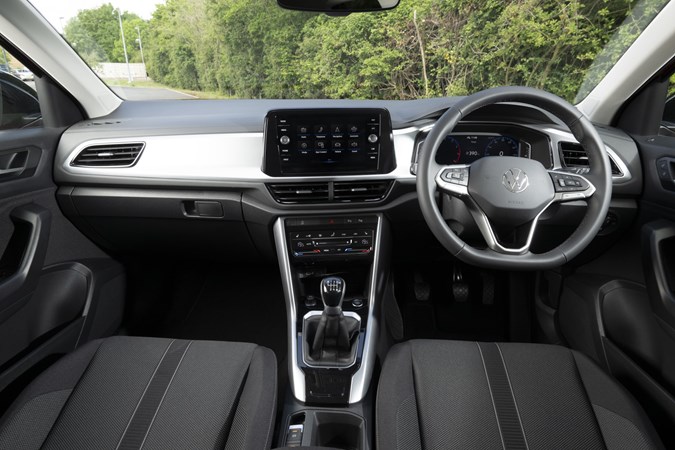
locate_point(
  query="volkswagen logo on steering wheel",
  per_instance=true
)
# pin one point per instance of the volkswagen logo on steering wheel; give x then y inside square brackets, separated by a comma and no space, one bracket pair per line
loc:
[515,180]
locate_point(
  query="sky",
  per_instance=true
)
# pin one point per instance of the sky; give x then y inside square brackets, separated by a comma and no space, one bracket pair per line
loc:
[54,10]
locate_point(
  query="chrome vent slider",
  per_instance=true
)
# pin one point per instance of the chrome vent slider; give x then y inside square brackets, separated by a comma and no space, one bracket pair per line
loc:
[109,155]
[299,192]
[366,191]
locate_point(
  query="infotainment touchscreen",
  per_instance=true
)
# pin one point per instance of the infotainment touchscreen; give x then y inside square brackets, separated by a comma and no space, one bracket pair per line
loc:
[327,141]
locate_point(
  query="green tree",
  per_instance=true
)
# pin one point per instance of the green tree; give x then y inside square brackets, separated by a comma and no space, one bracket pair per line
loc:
[172,42]
[422,48]
[95,34]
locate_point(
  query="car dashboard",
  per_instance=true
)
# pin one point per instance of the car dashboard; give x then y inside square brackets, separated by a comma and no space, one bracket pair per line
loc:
[224,171]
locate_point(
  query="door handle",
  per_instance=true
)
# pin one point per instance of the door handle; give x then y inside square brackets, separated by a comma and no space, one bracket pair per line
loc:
[666,169]
[23,258]
[658,250]
[13,164]
[16,170]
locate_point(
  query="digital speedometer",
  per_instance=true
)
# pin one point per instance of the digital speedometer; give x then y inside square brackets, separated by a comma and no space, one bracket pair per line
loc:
[460,148]
[502,146]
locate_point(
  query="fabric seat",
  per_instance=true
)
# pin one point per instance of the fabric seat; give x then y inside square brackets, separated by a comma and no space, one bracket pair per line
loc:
[468,395]
[132,393]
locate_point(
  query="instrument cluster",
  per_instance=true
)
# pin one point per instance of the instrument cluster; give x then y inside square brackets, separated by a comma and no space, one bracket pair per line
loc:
[465,148]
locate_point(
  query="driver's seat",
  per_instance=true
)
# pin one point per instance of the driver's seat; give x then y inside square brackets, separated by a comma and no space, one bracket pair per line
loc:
[470,395]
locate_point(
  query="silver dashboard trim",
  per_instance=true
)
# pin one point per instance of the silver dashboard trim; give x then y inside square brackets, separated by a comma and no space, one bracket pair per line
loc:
[233,159]
[297,378]
[226,159]
[558,136]
[215,158]
[361,379]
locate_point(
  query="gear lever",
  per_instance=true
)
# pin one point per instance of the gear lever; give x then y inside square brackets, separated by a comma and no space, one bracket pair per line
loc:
[332,294]
[335,334]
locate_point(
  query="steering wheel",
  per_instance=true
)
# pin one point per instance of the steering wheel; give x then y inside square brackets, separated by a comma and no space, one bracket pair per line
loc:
[508,193]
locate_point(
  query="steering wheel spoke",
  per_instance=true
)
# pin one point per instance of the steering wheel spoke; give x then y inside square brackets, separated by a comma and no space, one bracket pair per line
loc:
[454,180]
[569,186]
[487,230]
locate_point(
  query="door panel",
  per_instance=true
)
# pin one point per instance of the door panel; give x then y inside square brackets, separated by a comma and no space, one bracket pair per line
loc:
[621,310]
[57,289]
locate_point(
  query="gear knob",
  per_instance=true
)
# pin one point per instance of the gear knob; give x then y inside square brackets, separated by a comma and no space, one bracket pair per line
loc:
[333,291]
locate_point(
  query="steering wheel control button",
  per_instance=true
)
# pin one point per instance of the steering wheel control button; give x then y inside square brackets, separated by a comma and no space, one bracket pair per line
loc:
[456,175]
[568,183]
[573,196]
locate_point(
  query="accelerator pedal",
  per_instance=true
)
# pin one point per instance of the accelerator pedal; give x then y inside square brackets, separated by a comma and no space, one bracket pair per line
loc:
[422,288]
[488,288]
[460,289]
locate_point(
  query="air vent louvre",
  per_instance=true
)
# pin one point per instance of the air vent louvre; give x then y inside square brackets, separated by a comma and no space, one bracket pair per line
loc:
[300,192]
[360,191]
[109,155]
[574,156]
[330,192]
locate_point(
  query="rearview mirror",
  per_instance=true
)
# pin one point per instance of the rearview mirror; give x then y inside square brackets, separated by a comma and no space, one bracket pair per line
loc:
[338,7]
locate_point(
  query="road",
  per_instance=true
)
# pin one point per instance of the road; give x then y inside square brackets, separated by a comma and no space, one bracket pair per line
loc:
[142,93]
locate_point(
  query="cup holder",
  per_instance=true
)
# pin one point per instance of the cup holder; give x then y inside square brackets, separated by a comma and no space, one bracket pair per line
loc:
[330,428]
[341,430]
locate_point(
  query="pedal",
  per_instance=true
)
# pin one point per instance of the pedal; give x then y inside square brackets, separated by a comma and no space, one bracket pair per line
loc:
[422,288]
[460,289]
[488,288]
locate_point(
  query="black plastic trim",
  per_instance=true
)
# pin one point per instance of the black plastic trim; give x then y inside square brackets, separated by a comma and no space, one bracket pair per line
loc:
[23,258]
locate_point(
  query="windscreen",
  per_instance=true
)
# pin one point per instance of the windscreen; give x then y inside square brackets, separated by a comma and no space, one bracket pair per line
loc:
[146,49]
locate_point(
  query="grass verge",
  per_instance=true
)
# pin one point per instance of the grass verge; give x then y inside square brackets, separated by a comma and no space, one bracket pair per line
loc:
[207,95]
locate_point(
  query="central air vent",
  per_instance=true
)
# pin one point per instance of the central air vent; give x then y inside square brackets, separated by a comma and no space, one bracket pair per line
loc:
[330,191]
[575,157]
[300,192]
[360,191]
[109,155]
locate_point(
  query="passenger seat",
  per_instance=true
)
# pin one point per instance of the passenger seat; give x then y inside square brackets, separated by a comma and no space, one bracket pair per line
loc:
[470,395]
[131,393]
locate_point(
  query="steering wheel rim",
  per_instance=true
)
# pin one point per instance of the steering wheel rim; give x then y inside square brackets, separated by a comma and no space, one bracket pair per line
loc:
[599,178]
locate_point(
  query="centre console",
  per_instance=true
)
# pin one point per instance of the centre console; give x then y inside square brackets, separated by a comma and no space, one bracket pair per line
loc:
[311,249]
[332,271]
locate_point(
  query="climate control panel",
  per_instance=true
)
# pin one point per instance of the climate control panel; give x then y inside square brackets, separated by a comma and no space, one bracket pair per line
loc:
[336,237]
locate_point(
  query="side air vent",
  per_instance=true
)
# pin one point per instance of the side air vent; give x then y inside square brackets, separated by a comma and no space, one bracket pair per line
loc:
[360,191]
[300,192]
[575,157]
[109,155]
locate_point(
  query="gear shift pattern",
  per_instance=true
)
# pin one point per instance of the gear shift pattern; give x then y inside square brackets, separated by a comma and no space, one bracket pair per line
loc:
[332,293]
